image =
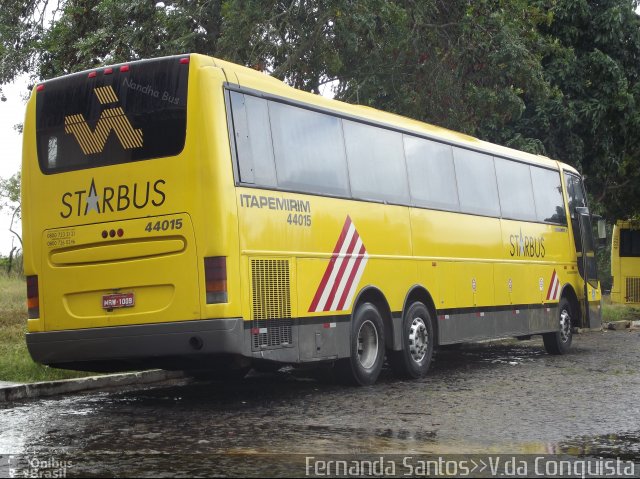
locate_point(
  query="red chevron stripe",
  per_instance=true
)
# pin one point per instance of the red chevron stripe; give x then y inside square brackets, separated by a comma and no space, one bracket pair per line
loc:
[556,289]
[332,262]
[343,267]
[354,272]
[551,285]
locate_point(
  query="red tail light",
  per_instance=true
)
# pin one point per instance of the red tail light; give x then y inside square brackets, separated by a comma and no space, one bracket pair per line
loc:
[215,275]
[33,303]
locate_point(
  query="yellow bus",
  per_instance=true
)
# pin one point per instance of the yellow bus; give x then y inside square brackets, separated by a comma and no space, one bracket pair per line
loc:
[625,262]
[186,212]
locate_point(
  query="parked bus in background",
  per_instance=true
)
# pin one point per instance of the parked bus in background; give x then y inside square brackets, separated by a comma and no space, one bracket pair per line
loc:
[188,213]
[625,262]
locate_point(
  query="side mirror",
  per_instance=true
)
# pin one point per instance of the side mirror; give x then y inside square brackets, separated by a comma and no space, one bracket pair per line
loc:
[602,232]
[602,229]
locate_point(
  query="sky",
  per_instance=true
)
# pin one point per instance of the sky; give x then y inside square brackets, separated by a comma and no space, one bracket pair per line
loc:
[11,113]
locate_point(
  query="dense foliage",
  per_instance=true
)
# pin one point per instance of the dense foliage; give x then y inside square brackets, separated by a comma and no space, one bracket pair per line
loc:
[556,77]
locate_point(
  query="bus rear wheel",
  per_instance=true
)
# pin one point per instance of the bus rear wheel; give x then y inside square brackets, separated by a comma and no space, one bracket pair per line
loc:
[559,342]
[417,343]
[363,367]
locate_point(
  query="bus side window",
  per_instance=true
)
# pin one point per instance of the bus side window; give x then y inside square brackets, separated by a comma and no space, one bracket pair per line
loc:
[432,177]
[253,140]
[308,149]
[547,192]
[516,191]
[477,186]
[377,169]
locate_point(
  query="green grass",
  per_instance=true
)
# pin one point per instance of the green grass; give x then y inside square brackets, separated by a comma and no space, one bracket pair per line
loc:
[618,312]
[16,364]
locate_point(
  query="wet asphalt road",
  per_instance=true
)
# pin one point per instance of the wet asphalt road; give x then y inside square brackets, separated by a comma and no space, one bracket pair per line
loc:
[502,397]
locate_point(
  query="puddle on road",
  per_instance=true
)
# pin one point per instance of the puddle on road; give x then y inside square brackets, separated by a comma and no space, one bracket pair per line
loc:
[477,355]
[476,401]
[625,446]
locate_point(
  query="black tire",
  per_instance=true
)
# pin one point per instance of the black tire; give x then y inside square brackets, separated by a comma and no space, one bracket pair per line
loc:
[363,367]
[417,343]
[559,342]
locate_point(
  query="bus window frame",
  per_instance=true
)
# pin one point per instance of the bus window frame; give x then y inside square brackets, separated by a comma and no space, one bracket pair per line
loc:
[48,171]
[229,87]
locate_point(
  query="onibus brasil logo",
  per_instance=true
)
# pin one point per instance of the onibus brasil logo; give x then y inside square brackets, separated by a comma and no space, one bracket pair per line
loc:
[111,119]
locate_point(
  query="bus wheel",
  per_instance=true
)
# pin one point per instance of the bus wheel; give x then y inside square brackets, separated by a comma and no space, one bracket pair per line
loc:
[417,343]
[367,348]
[559,342]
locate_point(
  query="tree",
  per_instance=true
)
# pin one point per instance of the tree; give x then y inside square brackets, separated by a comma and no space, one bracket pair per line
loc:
[556,77]
[22,24]
[10,201]
[592,63]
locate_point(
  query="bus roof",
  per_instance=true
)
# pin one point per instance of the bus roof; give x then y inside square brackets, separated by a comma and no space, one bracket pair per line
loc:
[256,80]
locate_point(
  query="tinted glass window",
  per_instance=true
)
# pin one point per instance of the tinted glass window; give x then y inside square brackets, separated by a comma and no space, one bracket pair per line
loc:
[547,191]
[309,150]
[575,199]
[629,243]
[253,140]
[516,192]
[575,192]
[432,177]
[476,181]
[131,115]
[376,163]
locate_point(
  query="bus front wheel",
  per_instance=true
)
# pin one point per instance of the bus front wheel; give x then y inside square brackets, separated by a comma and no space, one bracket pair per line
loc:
[417,343]
[559,342]
[367,348]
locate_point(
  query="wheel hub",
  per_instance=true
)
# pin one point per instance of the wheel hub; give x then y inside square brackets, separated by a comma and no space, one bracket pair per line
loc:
[418,340]
[565,326]
[367,345]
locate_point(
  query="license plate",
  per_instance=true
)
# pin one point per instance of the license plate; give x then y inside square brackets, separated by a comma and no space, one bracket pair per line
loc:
[123,300]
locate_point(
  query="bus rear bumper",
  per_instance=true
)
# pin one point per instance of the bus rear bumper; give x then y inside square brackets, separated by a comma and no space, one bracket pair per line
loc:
[176,345]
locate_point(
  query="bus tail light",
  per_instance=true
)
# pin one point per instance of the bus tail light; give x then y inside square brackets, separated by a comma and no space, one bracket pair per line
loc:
[33,303]
[215,275]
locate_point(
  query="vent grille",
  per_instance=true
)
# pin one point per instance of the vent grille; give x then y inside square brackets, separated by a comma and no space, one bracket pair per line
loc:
[271,301]
[270,281]
[633,290]
[271,333]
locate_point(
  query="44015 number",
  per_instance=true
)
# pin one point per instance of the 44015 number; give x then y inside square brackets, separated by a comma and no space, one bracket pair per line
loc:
[164,225]
[299,220]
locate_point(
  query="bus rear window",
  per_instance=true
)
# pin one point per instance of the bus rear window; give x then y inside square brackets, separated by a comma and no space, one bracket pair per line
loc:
[113,115]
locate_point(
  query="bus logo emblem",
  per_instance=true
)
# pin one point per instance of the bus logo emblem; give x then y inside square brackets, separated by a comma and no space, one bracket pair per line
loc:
[340,279]
[111,119]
